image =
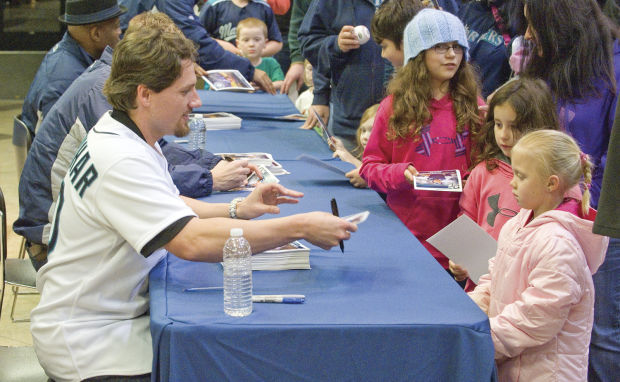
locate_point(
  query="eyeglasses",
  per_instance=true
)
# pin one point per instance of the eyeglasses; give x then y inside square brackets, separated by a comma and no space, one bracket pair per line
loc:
[443,48]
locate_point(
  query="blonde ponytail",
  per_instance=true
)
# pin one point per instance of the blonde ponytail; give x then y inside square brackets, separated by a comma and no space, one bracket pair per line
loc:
[558,154]
[586,169]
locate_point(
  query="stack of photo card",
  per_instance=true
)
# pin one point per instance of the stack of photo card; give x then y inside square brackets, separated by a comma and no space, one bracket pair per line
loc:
[231,80]
[267,177]
[219,121]
[256,159]
[444,180]
[291,256]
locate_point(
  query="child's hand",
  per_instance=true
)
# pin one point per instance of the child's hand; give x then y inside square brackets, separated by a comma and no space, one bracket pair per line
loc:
[277,85]
[199,70]
[459,272]
[263,81]
[347,40]
[322,111]
[335,144]
[355,179]
[410,172]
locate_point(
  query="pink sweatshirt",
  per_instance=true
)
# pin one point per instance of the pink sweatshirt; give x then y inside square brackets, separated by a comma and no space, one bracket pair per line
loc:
[540,298]
[487,197]
[438,148]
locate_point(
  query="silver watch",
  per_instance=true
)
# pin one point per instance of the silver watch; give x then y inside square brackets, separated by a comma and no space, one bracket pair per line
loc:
[232,207]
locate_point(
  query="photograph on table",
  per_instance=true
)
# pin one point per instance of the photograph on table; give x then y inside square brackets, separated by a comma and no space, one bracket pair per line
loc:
[230,80]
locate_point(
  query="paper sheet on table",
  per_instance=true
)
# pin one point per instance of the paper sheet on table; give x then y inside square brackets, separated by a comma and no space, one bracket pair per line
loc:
[467,244]
[320,163]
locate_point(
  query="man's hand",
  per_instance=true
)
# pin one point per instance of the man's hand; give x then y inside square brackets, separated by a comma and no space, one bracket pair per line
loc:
[228,175]
[264,199]
[325,230]
[347,40]
[355,179]
[410,172]
[261,79]
[322,110]
[295,73]
[459,272]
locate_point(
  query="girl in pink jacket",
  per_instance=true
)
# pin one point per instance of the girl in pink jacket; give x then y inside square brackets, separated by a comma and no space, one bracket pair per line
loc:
[539,293]
[425,124]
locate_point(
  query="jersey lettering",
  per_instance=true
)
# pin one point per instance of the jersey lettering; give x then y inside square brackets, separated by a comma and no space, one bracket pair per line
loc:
[82,175]
[87,178]
[54,234]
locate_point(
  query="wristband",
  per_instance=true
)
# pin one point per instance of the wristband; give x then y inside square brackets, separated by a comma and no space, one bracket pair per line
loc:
[232,207]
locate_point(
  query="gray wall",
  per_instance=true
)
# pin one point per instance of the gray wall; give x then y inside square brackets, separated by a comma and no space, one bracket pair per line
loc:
[17,69]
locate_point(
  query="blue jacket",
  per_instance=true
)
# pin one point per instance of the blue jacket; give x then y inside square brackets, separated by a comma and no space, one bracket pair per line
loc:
[134,7]
[487,49]
[212,55]
[358,76]
[60,67]
[61,133]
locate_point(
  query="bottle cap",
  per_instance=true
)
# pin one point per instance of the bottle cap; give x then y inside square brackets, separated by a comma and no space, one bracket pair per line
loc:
[236,232]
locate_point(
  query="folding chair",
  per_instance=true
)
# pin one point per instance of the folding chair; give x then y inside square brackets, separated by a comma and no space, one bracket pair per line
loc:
[21,140]
[16,272]
[20,364]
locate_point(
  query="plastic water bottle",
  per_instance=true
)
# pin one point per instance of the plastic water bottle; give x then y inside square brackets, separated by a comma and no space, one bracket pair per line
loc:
[237,275]
[197,134]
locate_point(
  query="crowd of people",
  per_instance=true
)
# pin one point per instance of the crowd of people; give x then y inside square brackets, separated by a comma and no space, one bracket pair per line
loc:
[520,96]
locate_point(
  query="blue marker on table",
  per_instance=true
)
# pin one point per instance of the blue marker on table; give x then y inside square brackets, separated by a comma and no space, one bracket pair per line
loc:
[279,298]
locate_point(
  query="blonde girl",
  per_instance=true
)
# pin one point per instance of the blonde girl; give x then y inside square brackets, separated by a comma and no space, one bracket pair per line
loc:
[425,124]
[539,293]
[361,136]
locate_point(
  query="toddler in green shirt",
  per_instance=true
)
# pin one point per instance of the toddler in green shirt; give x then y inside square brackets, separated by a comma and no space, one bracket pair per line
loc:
[251,40]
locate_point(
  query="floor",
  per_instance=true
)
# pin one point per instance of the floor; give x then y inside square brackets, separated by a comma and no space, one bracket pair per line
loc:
[12,334]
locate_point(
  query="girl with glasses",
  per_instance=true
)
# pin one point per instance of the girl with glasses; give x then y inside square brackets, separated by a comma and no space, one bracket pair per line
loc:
[425,124]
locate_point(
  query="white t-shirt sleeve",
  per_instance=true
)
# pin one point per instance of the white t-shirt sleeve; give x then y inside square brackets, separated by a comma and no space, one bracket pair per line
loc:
[139,200]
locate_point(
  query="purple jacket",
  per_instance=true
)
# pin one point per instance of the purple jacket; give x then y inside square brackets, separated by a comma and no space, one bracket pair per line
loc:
[589,121]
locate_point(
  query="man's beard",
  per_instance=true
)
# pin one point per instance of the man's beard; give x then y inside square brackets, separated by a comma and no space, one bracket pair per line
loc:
[181,130]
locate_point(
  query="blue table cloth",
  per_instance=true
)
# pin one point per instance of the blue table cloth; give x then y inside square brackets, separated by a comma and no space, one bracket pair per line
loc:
[255,105]
[283,140]
[384,310]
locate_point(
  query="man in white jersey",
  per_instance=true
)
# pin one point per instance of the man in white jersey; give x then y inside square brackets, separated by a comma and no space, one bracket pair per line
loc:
[119,212]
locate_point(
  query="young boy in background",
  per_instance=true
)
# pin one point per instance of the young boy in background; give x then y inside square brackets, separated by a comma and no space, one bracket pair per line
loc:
[251,41]
[220,17]
[388,25]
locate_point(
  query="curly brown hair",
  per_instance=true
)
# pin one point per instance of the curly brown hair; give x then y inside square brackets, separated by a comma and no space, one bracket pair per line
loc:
[412,95]
[534,107]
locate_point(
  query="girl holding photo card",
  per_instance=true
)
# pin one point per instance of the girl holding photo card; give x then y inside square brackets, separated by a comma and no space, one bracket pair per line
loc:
[425,124]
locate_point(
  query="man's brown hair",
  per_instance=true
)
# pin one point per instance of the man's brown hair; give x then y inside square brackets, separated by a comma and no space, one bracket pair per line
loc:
[147,56]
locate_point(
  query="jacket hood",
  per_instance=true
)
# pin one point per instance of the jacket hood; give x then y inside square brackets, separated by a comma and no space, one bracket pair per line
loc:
[594,246]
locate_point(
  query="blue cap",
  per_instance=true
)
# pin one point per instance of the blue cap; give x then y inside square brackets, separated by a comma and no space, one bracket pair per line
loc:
[431,27]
